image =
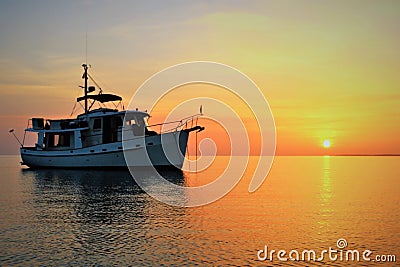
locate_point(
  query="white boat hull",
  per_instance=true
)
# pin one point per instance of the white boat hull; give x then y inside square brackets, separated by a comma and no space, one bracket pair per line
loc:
[138,152]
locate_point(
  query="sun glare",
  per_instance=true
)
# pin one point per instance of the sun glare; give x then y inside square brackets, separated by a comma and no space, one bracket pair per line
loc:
[327,143]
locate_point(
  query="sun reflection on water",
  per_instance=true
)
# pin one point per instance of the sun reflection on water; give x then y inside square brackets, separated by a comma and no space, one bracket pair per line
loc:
[325,196]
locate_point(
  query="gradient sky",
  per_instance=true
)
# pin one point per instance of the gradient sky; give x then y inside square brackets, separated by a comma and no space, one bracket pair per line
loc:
[329,69]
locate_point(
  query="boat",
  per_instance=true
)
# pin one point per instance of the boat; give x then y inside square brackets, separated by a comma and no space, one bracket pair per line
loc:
[103,137]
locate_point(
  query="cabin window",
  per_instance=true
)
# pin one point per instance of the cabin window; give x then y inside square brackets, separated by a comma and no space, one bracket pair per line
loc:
[136,121]
[116,122]
[132,121]
[97,124]
[58,140]
[63,139]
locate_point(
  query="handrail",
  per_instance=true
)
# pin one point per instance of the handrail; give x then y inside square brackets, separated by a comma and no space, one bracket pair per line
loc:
[181,124]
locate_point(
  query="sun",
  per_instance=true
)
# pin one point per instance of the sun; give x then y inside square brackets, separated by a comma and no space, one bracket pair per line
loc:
[327,143]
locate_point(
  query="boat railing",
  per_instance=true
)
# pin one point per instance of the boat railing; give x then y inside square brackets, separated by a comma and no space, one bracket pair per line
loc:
[185,123]
[55,124]
[170,126]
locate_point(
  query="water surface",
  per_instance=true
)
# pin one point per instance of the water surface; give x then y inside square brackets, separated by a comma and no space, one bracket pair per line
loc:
[72,217]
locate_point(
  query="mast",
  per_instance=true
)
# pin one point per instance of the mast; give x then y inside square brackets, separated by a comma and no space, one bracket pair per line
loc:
[85,76]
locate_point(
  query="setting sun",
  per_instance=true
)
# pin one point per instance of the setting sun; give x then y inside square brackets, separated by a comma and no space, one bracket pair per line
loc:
[327,144]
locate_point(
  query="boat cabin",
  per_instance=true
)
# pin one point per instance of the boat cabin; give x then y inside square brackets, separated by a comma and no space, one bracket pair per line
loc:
[99,126]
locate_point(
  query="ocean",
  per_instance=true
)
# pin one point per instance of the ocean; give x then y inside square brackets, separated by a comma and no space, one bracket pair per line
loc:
[310,211]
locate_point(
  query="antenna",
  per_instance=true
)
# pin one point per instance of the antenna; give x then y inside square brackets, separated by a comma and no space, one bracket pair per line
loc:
[86,44]
[86,34]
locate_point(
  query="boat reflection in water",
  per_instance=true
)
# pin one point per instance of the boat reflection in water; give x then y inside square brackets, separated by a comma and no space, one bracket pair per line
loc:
[95,215]
[94,195]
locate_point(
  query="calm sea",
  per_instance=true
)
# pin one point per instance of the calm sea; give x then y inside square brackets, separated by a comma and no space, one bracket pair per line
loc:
[102,218]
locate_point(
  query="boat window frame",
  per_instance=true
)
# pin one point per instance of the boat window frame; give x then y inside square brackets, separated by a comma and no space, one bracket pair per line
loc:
[58,140]
[97,127]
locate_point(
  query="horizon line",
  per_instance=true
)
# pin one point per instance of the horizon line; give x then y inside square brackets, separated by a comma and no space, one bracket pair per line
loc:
[297,155]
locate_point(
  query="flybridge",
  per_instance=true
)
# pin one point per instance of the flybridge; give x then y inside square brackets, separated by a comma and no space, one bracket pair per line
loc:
[101,98]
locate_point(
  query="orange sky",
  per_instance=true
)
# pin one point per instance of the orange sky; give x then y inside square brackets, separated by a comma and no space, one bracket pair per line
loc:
[328,69]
